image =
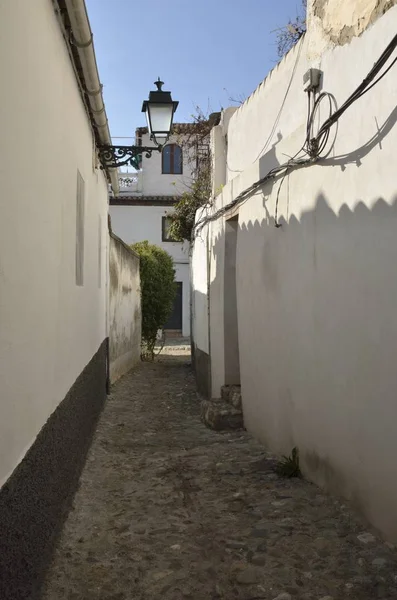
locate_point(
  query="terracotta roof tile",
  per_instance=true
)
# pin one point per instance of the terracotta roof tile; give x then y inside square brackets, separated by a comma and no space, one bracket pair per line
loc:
[143,200]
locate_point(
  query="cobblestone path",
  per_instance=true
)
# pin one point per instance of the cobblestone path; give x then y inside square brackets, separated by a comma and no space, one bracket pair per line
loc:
[169,510]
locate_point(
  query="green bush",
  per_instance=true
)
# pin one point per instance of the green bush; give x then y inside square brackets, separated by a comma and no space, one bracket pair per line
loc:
[157,292]
[289,465]
[184,212]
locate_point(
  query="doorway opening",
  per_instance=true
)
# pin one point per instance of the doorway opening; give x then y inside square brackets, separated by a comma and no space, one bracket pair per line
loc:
[231,345]
[174,323]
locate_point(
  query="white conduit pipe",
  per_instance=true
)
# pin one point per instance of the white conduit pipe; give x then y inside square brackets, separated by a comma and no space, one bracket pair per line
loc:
[82,40]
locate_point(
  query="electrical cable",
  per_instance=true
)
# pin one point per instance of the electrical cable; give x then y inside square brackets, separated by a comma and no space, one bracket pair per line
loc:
[379,78]
[363,88]
[282,105]
[313,146]
[271,134]
[309,121]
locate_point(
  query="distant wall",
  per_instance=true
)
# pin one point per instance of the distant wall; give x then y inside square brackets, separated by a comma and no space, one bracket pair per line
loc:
[138,223]
[157,183]
[124,308]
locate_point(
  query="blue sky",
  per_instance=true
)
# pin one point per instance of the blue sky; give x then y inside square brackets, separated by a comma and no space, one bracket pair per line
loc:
[204,51]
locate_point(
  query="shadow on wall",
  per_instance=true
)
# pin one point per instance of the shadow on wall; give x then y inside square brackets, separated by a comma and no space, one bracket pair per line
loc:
[267,162]
[125,317]
[357,155]
[317,331]
[200,359]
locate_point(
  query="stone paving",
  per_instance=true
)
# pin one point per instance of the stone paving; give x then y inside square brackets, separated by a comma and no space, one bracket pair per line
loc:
[168,509]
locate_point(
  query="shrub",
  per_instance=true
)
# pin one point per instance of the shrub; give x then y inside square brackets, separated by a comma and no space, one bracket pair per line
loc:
[183,215]
[157,292]
[289,465]
[196,149]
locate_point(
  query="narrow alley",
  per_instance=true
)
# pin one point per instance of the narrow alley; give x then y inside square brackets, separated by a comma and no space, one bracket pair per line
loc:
[168,509]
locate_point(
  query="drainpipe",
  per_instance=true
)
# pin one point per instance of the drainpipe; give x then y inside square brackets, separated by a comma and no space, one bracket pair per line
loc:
[83,41]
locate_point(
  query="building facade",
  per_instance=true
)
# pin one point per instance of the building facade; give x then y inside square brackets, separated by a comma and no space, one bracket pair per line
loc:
[54,248]
[142,208]
[294,278]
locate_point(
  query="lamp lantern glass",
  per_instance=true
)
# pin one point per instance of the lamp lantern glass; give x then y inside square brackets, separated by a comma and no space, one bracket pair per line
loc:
[159,111]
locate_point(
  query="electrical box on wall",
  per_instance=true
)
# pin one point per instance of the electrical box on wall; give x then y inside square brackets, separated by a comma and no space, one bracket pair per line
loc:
[312,80]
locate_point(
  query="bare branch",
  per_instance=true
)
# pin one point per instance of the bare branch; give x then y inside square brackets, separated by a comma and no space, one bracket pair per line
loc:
[290,34]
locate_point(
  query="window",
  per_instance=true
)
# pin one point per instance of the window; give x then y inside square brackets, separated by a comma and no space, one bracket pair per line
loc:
[165,228]
[80,230]
[172,160]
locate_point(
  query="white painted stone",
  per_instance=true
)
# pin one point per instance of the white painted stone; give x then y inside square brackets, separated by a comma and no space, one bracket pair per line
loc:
[366,538]
[379,562]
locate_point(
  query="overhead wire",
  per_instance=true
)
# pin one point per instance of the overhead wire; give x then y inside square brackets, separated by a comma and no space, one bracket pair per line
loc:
[270,136]
[277,119]
[363,88]
[315,145]
[303,148]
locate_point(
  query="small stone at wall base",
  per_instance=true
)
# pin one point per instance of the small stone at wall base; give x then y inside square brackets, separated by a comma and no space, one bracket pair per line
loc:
[220,415]
[366,538]
[232,395]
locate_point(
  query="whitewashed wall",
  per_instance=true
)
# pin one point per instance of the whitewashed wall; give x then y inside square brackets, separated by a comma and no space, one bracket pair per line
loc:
[138,223]
[154,182]
[317,297]
[125,317]
[200,296]
[50,328]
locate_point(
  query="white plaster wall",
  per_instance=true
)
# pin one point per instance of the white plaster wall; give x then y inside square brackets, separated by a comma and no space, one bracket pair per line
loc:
[217,339]
[154,182]
[317,298]
[138,223]
[50,328]
[125,317]
[256,127]
[182,274]
[200,291]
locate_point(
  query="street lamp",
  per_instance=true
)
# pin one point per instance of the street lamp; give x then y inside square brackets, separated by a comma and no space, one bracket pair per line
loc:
[159,110]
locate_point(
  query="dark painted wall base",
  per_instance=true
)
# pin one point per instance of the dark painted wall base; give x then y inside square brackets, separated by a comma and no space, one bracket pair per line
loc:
[202,370]
[38,496]
[192,354]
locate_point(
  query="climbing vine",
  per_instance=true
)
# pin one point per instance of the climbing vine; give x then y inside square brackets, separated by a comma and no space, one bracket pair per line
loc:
[196,148]
[157,292]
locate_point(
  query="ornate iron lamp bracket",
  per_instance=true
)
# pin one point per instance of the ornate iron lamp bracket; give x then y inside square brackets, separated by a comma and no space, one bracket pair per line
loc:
[112,157]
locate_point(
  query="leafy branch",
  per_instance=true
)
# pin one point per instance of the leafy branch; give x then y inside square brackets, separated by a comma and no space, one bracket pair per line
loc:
[196,147]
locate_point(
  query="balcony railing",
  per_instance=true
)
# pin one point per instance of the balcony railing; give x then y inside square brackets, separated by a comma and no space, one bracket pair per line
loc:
[130,183]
